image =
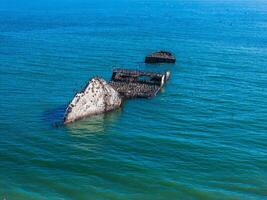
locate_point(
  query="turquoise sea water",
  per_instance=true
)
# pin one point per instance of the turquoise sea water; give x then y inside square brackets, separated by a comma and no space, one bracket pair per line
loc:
[202,137]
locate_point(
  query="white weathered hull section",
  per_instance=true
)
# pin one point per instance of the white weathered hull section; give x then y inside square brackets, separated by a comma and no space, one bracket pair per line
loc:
[96,98]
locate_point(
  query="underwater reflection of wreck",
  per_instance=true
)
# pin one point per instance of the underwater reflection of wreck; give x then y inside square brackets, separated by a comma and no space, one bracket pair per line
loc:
[94,124]
[137,84]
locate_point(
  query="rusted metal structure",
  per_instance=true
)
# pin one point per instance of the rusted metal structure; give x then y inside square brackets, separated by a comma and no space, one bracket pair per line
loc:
[137,84]
[160,57]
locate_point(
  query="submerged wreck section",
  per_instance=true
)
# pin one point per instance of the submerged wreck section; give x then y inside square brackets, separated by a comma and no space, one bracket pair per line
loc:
[97,97]
[160,57]
[136,84]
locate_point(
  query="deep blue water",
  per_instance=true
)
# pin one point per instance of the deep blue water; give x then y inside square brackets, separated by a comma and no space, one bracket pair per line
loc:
[202,137]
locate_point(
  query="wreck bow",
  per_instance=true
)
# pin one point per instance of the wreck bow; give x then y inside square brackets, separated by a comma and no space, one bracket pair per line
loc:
[97,97]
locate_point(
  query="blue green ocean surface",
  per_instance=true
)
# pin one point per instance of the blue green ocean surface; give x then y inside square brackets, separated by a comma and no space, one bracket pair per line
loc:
[202,137]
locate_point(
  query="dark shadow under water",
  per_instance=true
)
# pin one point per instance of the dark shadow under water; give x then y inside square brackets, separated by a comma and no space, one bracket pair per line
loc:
[54,116]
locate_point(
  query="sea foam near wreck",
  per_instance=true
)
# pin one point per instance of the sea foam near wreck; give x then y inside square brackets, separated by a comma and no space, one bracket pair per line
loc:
[97,97]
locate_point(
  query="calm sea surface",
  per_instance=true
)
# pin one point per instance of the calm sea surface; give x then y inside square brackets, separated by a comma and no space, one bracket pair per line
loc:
[203,137]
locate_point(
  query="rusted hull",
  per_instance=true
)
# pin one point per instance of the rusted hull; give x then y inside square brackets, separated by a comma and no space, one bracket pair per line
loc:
[154,60]
[160,57]
[136,84]
[135,90]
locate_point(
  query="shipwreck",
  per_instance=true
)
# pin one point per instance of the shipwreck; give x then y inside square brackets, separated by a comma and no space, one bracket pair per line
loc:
[160,57]
[100,96]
